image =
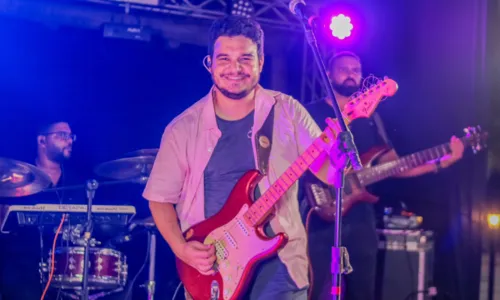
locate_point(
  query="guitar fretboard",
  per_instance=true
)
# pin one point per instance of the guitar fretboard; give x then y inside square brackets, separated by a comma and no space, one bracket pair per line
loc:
[362,106]
[380,172]
[265,203]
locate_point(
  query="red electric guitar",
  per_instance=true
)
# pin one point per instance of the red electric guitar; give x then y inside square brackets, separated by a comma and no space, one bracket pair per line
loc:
[322,197]
[237,230]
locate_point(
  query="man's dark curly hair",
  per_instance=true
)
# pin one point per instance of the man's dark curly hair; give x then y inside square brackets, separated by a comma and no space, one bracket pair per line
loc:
[233,26]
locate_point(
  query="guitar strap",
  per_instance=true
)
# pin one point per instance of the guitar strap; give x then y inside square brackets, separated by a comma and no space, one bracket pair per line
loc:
[263,142]
[381,129]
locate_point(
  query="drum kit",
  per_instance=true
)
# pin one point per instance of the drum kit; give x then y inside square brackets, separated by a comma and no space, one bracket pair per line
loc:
[63,267]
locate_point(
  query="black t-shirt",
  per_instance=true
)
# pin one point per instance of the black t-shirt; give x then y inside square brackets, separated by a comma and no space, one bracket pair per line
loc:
[366,135]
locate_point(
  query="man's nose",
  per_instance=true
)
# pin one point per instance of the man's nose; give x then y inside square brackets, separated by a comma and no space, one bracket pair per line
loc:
[235,66]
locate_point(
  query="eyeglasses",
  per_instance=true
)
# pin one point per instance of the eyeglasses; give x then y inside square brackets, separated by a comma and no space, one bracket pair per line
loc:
[63,135]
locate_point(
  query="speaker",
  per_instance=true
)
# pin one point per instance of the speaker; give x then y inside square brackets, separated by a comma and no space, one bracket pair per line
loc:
[404,264]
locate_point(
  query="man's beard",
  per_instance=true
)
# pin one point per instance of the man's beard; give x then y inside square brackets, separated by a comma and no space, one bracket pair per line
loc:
[59,157]
[235,96]
[344,89]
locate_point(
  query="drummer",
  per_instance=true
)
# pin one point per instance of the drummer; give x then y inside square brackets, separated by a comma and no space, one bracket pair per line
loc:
[20,252]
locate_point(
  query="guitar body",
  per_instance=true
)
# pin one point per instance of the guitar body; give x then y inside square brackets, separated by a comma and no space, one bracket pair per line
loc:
[239,247]
[323,198]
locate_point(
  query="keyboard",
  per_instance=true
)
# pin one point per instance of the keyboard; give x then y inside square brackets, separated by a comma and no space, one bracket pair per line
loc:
[17,216]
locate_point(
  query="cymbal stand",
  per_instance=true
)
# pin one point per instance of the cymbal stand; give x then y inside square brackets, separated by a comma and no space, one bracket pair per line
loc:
[91,188]
[152,263]
[150,284]
[42,265]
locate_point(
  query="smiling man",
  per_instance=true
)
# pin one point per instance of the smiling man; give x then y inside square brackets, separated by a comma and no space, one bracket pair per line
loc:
[206,149]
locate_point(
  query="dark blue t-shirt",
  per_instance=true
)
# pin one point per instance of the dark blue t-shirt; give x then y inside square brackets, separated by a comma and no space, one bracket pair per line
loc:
[232,157]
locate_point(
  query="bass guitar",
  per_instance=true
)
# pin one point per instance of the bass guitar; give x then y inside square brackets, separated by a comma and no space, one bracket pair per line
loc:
[322,198]
[237,230]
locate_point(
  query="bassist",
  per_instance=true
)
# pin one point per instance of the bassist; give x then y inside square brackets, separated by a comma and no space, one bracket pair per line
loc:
[358,231]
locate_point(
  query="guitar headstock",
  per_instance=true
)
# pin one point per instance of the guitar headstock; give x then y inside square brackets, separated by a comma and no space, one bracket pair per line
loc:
[364,104]
[476,138]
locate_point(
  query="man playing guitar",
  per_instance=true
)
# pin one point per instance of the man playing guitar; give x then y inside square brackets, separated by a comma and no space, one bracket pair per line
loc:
[206,149]
[358,231]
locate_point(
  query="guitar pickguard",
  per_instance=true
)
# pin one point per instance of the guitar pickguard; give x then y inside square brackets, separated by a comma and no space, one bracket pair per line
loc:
[236,245]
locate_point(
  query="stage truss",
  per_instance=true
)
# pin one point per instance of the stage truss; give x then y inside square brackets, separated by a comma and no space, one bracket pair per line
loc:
[272,14]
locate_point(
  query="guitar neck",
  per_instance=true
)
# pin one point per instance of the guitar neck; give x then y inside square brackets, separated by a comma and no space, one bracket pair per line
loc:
[383,171]
[263,206]
[362,106]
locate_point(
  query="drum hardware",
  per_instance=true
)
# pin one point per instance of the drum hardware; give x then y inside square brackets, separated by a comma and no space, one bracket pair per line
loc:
[107,268]
[90,187]
[76,294]
[148,226]
[151,283]
[108,271]
[87,236]
[19,179]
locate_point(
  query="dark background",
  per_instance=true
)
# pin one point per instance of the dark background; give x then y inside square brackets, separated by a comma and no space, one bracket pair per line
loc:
[119,95]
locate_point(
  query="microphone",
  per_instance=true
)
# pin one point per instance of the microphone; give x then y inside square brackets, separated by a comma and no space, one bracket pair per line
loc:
[299,8]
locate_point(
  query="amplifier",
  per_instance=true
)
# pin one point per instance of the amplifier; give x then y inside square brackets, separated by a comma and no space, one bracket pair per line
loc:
[404,265]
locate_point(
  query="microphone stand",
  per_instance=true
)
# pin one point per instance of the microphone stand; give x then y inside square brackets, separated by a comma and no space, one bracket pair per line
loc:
[347,146]
[91,188]
[151,283]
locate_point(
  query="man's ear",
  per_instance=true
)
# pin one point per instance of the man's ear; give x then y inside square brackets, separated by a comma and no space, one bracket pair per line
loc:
[261,63]
[41,140]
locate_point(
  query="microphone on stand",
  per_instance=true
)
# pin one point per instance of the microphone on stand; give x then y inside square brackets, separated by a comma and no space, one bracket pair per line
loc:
[310,21]
[300,9]
[124,238]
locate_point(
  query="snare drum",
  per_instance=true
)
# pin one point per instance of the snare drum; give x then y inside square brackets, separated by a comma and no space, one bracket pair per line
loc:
[107,268]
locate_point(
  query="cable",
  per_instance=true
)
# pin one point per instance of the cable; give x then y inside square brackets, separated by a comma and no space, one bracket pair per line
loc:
[131,286]
[177,290]
[52,257]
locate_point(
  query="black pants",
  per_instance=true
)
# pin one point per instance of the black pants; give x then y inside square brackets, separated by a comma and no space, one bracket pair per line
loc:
[360,239]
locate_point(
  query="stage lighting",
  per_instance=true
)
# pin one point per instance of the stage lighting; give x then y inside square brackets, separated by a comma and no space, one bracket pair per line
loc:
[242,8]
[341,26]
[494,221]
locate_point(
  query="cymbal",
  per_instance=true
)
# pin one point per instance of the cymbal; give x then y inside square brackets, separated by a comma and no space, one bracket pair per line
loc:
[129,168]
[143,152]
[19,179]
